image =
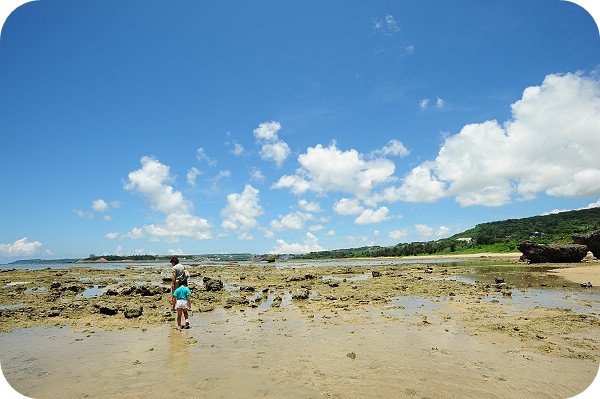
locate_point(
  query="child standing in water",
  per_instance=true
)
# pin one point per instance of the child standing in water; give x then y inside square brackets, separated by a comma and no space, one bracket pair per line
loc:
[182,302]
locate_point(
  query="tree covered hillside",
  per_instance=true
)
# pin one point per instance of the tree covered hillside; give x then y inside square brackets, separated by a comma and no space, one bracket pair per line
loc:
[501,236]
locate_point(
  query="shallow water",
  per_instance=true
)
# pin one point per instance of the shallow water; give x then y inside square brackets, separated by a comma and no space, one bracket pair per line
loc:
[252,354]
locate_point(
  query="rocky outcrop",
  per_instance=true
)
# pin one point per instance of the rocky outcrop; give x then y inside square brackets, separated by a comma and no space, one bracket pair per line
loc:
[542,253]
[212,284]
[591,241]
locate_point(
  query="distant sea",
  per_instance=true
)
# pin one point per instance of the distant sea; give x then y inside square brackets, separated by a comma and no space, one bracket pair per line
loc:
[40,264]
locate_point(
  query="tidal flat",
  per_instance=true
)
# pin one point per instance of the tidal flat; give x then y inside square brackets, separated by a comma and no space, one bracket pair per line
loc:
[478,326]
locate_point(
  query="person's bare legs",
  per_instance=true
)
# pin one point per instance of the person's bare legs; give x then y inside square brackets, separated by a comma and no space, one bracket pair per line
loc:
[179,312]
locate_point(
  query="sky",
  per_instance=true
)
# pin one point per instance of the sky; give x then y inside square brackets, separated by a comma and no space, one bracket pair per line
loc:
[194,127]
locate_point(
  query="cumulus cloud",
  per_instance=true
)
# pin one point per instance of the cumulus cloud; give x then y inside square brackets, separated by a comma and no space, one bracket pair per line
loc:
[99,205]
[310,244]
[549,146]
[21,247]
[398,235]
[272,147]
[241,211]
[312,207]
[329,169]
[369,216]
[291,221]
[348,206]
[424,230]
[151,181]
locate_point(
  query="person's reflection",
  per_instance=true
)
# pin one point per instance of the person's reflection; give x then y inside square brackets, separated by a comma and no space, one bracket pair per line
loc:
[178,356]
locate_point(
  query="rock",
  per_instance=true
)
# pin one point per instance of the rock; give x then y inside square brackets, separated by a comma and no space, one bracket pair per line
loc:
[132,311]
[586,285]
[237,300]
[375,273]
[151,290]
[301,294]
[107,308]
[121,289]
[429,270]
[212,284]
[542,253]
[499,280]
[591,241]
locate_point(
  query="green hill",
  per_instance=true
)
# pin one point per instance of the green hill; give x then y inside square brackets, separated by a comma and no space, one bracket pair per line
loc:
[500,236]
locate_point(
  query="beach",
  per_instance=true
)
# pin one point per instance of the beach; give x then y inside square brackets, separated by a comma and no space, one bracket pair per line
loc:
[474,326]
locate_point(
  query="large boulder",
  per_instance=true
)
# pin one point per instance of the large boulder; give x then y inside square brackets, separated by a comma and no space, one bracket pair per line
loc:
[591,241]
[542,253]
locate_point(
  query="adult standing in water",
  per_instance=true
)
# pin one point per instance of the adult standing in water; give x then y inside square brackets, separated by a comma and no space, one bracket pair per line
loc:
[178,274]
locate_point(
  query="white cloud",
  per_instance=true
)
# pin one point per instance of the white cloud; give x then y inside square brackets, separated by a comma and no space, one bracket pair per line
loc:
[398,234]
[310,244]
[277,152]
[83,214]
[238,149]
[347,206]
[393,147]
[220,176]
[369,216]
[439,103]
[99,205]
[202,156]
[257,175]
[311,207]
[241,211]
[550,146]
[272,147]
[291,221]
[329,169]
[191,176]
[424,103]
[151,182]
[21,247]
[442,232]
[386,25]
[423,230]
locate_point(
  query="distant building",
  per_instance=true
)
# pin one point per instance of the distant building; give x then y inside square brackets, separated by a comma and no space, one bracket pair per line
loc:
[465,239]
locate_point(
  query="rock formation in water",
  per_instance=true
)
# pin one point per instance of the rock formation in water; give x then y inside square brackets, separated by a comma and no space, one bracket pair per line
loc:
[542,253]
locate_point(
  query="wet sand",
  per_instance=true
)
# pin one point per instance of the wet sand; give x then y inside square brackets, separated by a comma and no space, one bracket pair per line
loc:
[415,331]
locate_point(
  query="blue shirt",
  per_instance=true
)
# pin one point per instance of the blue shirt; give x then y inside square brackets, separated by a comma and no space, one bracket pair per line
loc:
[182,292]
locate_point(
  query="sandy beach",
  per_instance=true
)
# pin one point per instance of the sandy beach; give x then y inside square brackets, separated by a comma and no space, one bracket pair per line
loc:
[484,326]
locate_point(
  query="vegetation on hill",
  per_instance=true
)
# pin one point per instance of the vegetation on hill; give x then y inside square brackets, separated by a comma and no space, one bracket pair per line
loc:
[497,237]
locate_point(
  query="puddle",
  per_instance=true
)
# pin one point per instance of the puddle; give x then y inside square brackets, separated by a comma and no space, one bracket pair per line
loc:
[92,292]
[36,289]
[17,305]
[354,278]
[13,283]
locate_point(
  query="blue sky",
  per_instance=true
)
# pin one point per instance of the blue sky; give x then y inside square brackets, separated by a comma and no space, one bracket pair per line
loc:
[189,127]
